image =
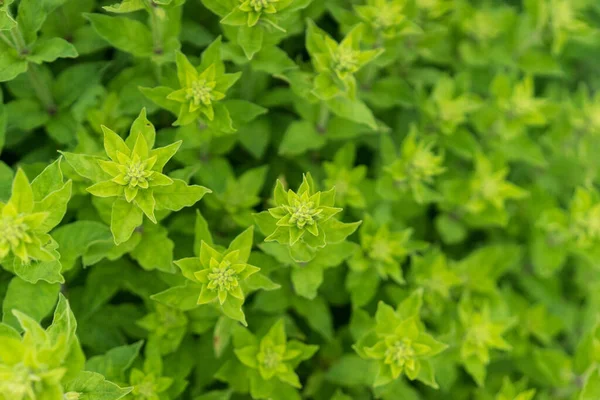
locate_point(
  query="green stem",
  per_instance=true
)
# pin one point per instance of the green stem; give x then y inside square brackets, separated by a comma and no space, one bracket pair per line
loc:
[156,25]
[323,118]
[6,40]
[370,76]
[18,42]
[158,71]
[41,89]
[247,85]
[18,39]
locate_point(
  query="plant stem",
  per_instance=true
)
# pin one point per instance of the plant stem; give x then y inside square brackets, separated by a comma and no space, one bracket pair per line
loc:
[18,40]
[323,118]
[41,89]
[6,40]
[158,71]
[156,25]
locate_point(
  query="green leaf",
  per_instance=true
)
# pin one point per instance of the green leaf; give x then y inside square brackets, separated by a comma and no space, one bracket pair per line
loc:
[115,362]
[32,14]
[250,39]
[55,204]
[300,137]
[48,271]
[182,297]
[201,232]
[591,388]
[178,195]
[7,22]
[48,181]
[158,96]
[11,65]
[141,125]
[243,243]
[220,7]
[3,121]
[232,307]
[123,33]
[164,154]
[125,6]
[125,217]
[317,314]
[354,110]
[36,300]
[155,250]
[86,166]
[93,386]
[49,50]
[307,279]
[272,60]
[76,238]
[350,370]
[22,194]
[63,322]
[222,335]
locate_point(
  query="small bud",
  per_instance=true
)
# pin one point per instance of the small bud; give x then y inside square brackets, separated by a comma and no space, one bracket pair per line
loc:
[72,396]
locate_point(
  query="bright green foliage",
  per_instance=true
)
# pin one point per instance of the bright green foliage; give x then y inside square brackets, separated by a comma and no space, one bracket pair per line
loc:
[199,89]
[237,196]
[514,391]
[218,276]
[481,334]
[7,22]
[514,110]
[132,174]
[47,363]
[257,21]
[386,18]
[148,386]
[381,256]
[22,51]
[489,189]
[272,359]
[481,198]
[157,40]
[438,279]
[127,6]
[446,108]
[304,220]
[400,344]
[414,169]
[32,211]
[336,63]
[19,233]
[346,179]
[167,327]
[250,12]
[221,275]
[574,230]
[438,155]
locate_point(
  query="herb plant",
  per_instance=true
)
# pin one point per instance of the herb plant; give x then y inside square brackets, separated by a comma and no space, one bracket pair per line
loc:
[299,199]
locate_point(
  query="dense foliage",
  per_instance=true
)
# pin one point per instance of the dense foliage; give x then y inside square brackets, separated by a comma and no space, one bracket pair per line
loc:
[286,199]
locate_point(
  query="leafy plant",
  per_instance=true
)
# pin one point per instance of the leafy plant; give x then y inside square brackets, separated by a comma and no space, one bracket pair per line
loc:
[296,199]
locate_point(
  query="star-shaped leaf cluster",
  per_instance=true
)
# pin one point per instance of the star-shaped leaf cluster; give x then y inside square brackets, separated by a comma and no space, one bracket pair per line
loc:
[33,210]
[132,174]
[218,276]
[400,343]
[272,358]
[336,63]
[304,221]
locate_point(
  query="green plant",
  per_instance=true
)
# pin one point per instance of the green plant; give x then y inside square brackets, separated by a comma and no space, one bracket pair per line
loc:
[297,199]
